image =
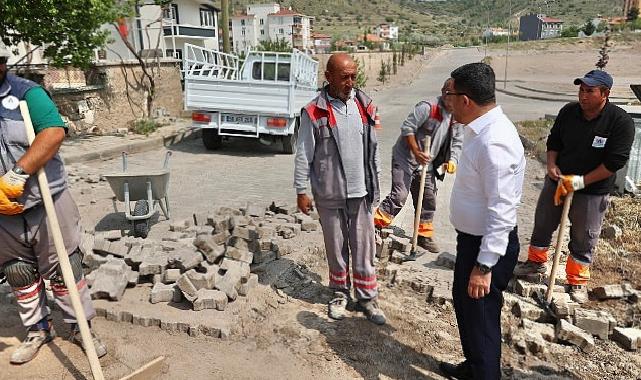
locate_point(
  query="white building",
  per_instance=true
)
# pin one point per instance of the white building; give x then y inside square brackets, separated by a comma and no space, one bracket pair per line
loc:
[387,31]
[183,21]
[265,22]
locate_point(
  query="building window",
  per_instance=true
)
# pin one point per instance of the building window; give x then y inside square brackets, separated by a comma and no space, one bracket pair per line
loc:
[177,54]
[170,13]
[207,18]
[102,54]
[262,21]
[242,22]
[281,31]
[262,32]
[243,32]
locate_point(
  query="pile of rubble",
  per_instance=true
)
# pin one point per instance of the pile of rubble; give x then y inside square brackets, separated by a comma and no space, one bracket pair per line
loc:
[566,321]
[206,260]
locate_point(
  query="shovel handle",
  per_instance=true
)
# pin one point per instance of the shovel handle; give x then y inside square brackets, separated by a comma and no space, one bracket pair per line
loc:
[557,249]
[63,258]
[421,189]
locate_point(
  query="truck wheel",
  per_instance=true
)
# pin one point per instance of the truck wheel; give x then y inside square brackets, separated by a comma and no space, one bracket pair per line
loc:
[289,142]
[211,139]
[141,227]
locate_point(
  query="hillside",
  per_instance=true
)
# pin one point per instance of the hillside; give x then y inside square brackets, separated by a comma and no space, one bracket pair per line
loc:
[450,21]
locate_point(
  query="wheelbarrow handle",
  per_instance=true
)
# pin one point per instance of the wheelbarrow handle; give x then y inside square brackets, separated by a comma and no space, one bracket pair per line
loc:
[124,161]
[166,164]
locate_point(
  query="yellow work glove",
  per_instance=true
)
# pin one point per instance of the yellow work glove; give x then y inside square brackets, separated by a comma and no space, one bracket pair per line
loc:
[450,167]
[11,187]
[566,185]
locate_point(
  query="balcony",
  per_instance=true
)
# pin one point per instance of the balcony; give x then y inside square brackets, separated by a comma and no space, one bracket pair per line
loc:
[189,31]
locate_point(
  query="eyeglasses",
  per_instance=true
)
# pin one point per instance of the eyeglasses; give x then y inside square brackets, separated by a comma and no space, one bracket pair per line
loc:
[448,93]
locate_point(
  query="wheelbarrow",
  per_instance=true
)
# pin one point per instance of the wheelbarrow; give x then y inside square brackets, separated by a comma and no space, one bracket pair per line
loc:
[147,189]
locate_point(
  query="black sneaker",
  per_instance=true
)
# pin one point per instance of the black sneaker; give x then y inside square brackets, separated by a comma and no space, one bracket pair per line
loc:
[461,371]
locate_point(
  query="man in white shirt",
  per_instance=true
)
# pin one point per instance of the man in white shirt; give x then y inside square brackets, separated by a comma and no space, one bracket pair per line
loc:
[486,194]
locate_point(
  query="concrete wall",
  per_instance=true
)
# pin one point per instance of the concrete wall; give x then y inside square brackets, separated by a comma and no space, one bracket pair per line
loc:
[370,60]
[108,103]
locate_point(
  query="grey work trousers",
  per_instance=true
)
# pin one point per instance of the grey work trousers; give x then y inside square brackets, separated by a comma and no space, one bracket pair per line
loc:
[27,237]
[349,231]
[586,216]
[402,184]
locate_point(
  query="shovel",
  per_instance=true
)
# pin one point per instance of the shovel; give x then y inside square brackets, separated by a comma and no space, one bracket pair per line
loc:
[419,202]
[65,266]
[545,303]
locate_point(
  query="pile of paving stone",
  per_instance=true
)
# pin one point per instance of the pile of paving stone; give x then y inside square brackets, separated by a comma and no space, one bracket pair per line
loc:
[568,322]
[206,260]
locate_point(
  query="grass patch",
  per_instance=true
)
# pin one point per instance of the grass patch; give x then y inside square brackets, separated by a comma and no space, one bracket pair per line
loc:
[534,134]
[145,126]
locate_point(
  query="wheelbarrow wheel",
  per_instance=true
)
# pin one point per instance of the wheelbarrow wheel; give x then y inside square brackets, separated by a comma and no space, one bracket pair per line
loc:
[141,227]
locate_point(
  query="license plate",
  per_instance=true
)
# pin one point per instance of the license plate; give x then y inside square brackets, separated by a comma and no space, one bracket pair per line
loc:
[239,119]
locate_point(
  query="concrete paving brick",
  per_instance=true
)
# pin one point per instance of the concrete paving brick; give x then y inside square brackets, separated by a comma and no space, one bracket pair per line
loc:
[446,260]
[264,257]
[543,329]
[93,261]
[132,278]
[201,218]
[265,231]
[220,223]
[185,259]
[562,305]
[145,321]
[526,310]
[174,236]
[629,338]
[125,316]
[221,237]
[400,243]
[248,286]
[112,315]
[87,243]
[162,293]
[110,280]
[238,266]
[567,332]
[229,283]
[598,323]
[386,232]
[613,291]
[155,264]
[247,233]
[187,287]
[309,225]
[288,230]
[527,289]
[170,276]
[439,294]
[210,248]
[180,225]
[239,254]
[384,249]
[171,327]
[254,210]
[210,331]
[101,312]
[238,221]
[202,280]
[210,299]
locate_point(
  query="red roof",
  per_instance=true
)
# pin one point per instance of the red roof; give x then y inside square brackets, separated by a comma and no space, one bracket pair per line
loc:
[552,20]
[320,36]
[285,12]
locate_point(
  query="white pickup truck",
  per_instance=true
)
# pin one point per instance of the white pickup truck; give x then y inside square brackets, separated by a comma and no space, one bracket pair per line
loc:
[260,98]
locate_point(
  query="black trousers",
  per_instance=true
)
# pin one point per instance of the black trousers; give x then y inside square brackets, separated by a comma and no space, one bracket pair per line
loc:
[479,321]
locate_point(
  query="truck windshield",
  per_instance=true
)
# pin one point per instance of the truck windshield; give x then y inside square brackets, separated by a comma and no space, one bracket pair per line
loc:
[270,71]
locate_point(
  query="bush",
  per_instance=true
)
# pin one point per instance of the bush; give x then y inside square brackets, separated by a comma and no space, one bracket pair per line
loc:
[145,126]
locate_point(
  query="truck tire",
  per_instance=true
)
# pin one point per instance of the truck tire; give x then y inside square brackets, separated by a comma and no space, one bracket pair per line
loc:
[211,139]
[289,142]
[141,227]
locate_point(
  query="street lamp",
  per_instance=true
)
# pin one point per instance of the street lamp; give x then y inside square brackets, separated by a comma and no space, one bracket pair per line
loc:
[507,48]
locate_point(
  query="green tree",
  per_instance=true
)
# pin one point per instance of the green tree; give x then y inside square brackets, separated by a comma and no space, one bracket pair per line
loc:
[361,77]
[588,28]
[382,72]
[403,55]
[394,62]
[67,30]
[280,45]
[570,31]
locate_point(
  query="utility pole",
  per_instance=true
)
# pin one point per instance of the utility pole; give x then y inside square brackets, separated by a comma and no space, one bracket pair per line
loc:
[507,48]
[224,4]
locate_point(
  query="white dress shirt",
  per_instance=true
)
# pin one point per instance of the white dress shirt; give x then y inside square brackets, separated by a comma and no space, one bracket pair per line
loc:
[488,185]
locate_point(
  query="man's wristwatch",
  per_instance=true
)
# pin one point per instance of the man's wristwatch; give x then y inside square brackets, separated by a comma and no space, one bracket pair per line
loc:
[484,268]
[18,170]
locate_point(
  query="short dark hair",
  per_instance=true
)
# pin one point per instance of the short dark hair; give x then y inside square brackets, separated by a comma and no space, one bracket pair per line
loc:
[477,81]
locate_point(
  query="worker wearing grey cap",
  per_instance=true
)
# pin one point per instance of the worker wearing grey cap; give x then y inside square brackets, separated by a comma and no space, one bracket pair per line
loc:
[589,142]
[27,252]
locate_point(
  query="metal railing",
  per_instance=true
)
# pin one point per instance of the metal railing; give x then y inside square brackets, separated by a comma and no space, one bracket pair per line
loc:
[201,62]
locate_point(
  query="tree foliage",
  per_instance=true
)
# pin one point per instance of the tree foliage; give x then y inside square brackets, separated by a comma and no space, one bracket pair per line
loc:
[588,28]
[280,45]
[361,77]
[68,30]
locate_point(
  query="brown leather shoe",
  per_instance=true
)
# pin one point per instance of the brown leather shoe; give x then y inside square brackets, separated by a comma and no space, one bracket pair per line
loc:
[428,244]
